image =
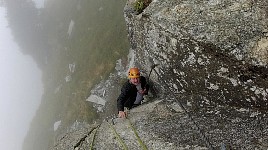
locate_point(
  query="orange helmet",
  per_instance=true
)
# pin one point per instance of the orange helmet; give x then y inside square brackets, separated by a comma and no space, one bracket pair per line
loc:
[134,73]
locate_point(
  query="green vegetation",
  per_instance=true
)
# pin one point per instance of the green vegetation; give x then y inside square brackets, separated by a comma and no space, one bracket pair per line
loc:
[140,5]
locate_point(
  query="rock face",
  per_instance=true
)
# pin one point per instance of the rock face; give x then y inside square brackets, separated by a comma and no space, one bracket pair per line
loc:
[211,81]
[211,51]
[164,125]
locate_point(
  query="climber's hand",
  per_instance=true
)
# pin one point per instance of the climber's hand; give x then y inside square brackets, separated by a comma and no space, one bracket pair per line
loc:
[121,114]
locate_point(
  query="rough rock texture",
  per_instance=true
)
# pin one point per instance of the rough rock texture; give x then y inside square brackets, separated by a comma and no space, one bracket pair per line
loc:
[211,84]
[163,125]
[214,51]
[167,124]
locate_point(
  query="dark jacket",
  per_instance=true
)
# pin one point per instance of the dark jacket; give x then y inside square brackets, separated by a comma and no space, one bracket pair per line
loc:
[129,93]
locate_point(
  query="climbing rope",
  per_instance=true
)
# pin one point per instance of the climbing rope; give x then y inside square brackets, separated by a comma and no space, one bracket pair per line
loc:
[120,140]
[144,147]
[84,138]
[93,138]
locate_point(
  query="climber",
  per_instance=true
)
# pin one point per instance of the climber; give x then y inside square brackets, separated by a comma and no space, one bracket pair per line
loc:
[132,92]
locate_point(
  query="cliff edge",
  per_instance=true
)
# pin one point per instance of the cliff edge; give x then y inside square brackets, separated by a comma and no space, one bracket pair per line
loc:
[209,85]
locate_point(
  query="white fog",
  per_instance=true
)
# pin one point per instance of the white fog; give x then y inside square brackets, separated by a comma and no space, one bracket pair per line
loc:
[20,89]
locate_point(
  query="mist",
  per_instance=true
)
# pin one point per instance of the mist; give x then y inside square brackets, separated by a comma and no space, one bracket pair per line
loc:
[90,36]
[21,89]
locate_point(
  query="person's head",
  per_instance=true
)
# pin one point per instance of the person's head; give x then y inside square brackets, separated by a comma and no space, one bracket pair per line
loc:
[134,76]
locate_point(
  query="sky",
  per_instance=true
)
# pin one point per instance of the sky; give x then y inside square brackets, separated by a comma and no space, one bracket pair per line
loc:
[39,3]
[20,90]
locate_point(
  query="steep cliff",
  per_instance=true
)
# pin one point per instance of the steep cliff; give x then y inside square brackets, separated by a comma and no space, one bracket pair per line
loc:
[211,51]
[210,86]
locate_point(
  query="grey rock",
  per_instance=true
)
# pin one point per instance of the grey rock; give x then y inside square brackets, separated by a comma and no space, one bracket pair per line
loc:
[159,128]
[214,51]
[211,83]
